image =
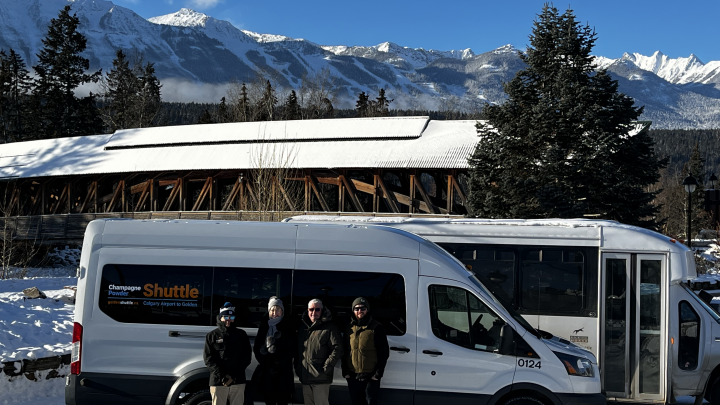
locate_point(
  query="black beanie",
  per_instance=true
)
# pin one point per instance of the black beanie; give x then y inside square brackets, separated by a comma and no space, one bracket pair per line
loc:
[360,301]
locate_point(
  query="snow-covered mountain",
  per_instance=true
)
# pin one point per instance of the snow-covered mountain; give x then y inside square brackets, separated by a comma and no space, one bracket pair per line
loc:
[192,47]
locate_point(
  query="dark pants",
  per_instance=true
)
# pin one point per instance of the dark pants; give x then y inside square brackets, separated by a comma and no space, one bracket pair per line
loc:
[276,398]
[364,392]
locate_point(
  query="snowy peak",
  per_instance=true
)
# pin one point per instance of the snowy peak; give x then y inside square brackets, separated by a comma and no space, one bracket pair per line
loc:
[403,57]
[266,38]
[503,49]
[183,18]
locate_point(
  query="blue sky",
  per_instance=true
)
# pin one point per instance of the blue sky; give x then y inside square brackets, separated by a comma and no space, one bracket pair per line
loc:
[644,26]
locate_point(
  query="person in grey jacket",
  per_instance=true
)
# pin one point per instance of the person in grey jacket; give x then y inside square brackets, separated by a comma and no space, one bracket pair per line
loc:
[320,347]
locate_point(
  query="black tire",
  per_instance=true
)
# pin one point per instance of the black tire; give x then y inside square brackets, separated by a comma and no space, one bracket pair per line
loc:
[714,392]
[198,398]
[523,400]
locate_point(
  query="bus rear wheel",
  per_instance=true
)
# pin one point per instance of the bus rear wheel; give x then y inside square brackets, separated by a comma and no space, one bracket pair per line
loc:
[524,400]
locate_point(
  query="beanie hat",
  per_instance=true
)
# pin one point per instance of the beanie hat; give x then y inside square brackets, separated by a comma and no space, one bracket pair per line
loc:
[360,301]
[227,309]
[275,301]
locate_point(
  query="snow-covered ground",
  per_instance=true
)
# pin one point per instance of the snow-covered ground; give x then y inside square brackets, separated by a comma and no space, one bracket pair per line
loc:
[35,328]
[21,391]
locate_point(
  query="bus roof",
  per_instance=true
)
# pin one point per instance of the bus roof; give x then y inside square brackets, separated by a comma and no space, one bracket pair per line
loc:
[604,234]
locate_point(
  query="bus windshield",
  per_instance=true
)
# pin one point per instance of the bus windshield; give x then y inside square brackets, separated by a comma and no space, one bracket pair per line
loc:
[516,316]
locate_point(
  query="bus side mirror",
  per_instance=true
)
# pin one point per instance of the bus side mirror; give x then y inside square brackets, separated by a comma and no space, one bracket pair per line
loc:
[507,340]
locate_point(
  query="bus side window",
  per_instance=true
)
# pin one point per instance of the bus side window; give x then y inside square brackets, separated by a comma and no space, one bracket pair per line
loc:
[552,281]
[689,342]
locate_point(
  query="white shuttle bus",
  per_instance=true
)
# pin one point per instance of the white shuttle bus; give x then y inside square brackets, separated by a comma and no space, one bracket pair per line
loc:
[149,292]
[619,291]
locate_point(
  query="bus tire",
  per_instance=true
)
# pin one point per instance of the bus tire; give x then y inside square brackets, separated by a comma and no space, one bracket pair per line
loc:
[199,398]
[523,400]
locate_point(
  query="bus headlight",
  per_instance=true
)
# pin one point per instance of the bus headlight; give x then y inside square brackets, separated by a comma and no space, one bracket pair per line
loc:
[577,366]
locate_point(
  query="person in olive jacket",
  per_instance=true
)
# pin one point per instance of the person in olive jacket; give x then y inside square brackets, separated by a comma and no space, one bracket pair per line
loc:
[319,349]
[366,354]
[274,350]
[227,354]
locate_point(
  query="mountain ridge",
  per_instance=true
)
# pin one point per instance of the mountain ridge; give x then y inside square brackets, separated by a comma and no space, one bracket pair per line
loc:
[189,47]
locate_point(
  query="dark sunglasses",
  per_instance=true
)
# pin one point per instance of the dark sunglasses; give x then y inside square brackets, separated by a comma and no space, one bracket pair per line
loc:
[360,309]
[314,309]
[225,317]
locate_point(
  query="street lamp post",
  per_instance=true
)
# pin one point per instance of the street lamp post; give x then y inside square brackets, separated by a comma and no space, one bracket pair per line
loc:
[712,181]
[689,183]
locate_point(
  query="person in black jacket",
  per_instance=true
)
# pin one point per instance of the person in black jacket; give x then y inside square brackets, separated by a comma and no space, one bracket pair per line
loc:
[366,354]
[227,354]
[274,350]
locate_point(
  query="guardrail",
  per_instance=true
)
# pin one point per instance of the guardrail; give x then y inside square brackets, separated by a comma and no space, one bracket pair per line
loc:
[71,227]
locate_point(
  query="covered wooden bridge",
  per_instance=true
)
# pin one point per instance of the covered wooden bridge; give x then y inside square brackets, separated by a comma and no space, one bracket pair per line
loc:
[410,165]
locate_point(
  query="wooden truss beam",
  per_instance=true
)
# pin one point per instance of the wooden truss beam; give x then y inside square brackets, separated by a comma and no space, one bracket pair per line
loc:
[389,197]
[173,194]
[350,189]
[63,197]
[457,188]
[418,185]
[144,196]
[233,195]
[116,196]
[91,194]
[203,193]
[287,199]
[316,189]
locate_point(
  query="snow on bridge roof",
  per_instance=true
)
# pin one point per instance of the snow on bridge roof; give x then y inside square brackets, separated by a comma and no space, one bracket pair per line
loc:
[392,142]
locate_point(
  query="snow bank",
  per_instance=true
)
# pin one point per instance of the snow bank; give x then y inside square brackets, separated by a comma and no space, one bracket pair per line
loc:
[31,329]
[21,391]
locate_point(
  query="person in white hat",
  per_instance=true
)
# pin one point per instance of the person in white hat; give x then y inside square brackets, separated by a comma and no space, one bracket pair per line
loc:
[274,350]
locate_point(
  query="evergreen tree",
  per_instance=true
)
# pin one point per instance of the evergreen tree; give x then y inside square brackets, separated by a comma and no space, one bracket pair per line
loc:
[381,105]
[150,99]
[223,115]
[243,105]
[561,145]
[695,167]
[266,104]
[291,108]
[17,107]
[60,70]
[206,118]
[362,105]
[123,86]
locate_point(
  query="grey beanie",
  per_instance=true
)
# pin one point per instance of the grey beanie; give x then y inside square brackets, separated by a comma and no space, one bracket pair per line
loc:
[360,301]
[275,301]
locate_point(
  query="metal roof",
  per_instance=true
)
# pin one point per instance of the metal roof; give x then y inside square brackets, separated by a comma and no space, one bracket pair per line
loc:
[391,142]
[271,131]
[394,142]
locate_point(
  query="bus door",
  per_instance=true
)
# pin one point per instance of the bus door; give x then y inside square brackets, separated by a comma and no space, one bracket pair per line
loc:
[633,331]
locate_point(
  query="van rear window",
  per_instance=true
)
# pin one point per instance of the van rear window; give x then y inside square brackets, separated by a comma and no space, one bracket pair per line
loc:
[169,295]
